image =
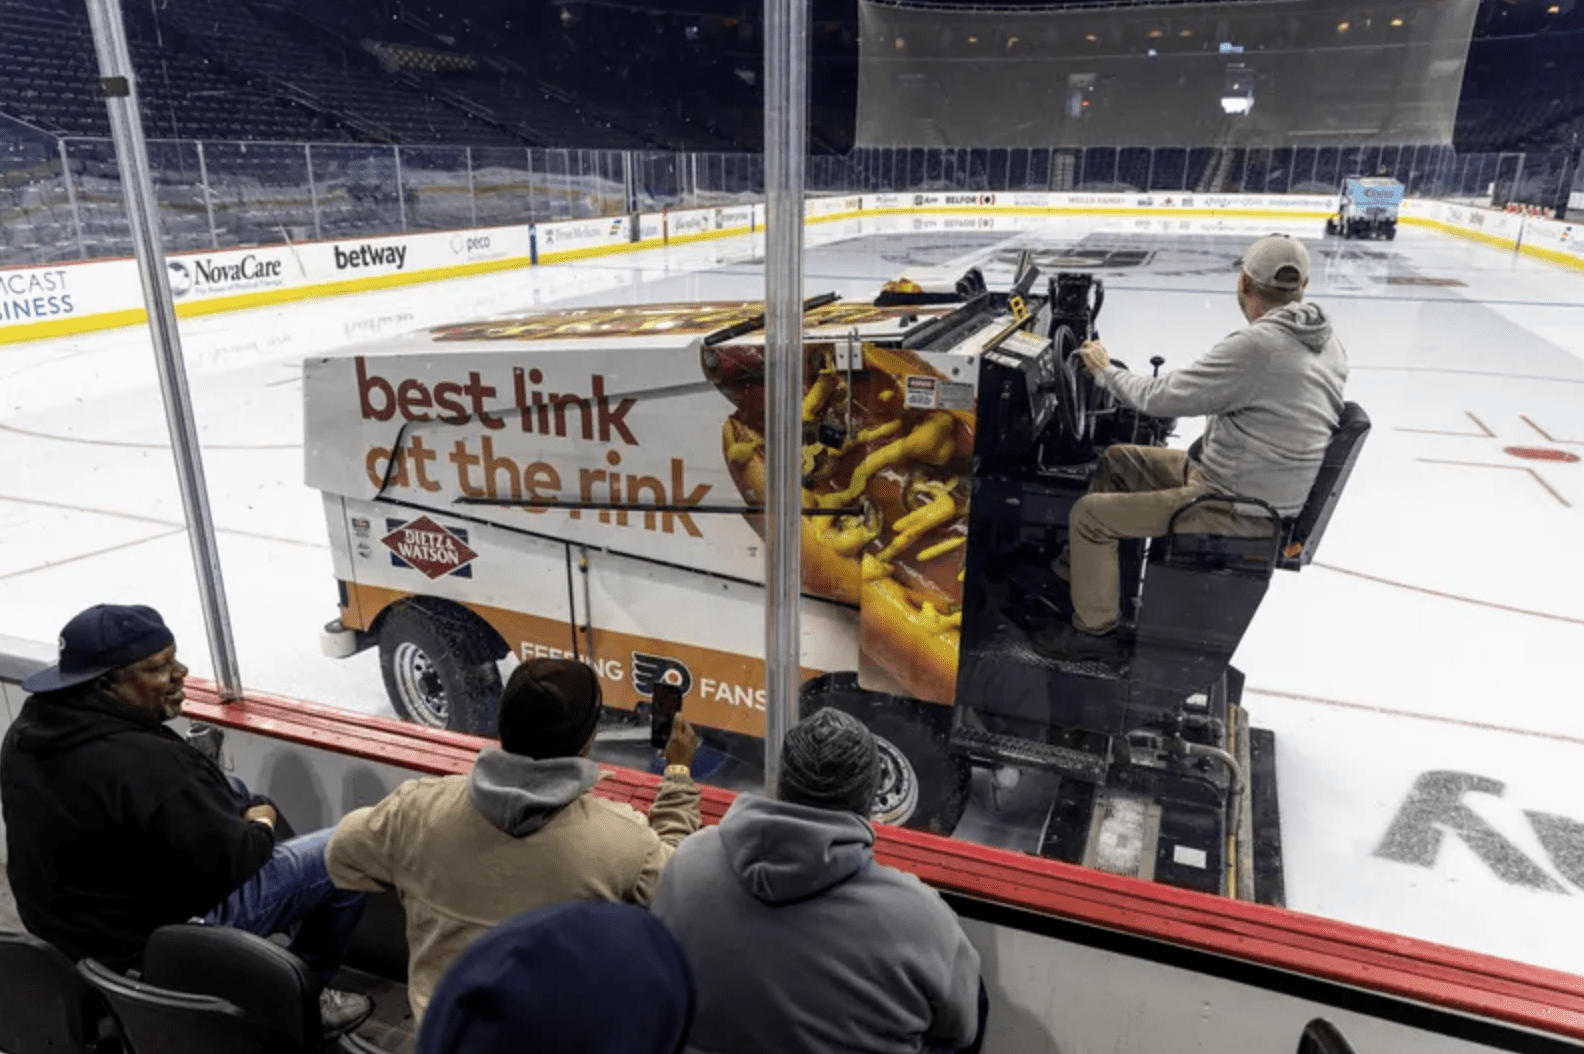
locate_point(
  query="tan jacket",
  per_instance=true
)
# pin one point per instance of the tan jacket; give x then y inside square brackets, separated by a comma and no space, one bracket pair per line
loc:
[465,853]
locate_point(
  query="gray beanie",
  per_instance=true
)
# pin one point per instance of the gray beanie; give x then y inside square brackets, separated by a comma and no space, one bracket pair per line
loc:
[829,760]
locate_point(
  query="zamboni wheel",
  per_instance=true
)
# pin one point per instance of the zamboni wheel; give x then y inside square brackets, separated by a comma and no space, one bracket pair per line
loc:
[922,785]
[438,669]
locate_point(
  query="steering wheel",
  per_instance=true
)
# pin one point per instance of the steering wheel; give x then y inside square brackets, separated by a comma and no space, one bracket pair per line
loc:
[1074,386]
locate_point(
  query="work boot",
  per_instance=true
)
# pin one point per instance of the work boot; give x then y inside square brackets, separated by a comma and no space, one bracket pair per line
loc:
[1070,642]
[340,1012]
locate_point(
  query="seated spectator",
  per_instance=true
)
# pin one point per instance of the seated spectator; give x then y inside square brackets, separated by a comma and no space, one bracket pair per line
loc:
[798,940]
[520,831]
[116,826]
[570,979]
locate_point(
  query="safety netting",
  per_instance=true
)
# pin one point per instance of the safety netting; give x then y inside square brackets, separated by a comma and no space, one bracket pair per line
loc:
[1259,72]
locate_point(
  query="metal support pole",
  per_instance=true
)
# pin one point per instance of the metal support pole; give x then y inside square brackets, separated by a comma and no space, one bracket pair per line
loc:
[693,158]
[528,153]
[629,190]
[71,198]
[401,191]
[203,180]
[313,190]
[115,68]
[472,193]
[786,115]
[568,199]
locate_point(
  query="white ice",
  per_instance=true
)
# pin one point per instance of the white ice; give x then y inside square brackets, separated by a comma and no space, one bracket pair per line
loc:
[1441,627]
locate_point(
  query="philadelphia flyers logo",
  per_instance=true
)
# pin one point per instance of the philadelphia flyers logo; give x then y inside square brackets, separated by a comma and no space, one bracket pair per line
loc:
[650,670]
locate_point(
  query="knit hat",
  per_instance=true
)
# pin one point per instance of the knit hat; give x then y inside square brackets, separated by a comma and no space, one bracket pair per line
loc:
[1277,261]
[578,978]
[830,760]
[549,709]
[105,637]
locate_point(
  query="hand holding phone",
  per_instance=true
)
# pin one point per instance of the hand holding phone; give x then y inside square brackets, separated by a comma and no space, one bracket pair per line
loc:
[665,703]
[682,745]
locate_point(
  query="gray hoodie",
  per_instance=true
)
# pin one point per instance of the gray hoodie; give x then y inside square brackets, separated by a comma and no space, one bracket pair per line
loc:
[1273,393]
[518,795]
[801,944]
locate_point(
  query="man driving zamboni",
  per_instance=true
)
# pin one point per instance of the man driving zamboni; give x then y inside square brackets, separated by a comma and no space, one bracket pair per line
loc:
[1273,394]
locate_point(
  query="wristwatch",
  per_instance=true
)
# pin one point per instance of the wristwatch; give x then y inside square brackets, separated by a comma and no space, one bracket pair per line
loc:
[679,770]
[259,819]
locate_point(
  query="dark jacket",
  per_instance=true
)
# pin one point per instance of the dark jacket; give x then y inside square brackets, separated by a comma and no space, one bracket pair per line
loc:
[115,826]
[801,944]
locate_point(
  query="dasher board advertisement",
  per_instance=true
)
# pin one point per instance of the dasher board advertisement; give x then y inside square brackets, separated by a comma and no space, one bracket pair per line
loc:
[620,429]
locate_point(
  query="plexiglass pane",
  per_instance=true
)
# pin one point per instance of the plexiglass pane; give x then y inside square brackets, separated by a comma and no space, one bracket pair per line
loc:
[470,300]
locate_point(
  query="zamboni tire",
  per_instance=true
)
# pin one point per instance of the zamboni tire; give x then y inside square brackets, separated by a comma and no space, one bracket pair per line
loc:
[439,668]
[923,787]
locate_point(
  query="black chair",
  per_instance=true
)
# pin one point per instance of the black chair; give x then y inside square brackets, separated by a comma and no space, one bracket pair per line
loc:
[1303,539]
[1297,539]
[267,982]
[160,1021]
[44,1005]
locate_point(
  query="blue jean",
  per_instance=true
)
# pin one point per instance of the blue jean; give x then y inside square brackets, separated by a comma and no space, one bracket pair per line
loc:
[294,888]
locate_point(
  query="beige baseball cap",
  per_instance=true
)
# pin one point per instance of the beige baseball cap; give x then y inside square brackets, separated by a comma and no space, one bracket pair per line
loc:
[1278,261]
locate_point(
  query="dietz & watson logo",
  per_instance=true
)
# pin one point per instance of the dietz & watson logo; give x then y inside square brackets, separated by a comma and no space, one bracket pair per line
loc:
[650,670]
[370,256]
[203,273]
[424,545]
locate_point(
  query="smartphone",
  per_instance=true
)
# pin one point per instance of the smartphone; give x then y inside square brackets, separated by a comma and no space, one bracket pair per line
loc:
[665,704]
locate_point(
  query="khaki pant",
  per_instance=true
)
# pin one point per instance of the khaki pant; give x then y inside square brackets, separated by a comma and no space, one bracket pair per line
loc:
[1133,494]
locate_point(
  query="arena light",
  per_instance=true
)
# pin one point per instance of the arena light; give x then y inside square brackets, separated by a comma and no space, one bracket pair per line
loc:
[1236,104]
[1396,22]
[1343,27]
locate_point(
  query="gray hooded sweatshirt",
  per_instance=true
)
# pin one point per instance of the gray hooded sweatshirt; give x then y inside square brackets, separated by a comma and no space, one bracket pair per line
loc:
[801,944]
[1273,393]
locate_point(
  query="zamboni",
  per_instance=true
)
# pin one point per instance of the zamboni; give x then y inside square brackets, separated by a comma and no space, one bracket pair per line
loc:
[1367,208]
[590,482]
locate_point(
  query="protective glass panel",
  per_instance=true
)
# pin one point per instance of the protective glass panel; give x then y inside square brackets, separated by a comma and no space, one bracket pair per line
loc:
[443,312]
[1042,155]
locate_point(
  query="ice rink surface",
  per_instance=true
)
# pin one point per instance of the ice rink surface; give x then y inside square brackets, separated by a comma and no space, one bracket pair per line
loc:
[1425,677]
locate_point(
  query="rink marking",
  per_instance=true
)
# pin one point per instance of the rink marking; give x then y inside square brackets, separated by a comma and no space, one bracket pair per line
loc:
[85,556]
[144,446]
[1454,596]
[1386,711]
[179,525]
[1516,468]
[1470,373]
[1483,433]
[1547,436]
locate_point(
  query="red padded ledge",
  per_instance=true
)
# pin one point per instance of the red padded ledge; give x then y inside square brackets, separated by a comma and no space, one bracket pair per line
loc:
[1465,981]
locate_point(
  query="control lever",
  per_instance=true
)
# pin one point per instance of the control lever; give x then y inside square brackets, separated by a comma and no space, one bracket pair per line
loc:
[1157,361]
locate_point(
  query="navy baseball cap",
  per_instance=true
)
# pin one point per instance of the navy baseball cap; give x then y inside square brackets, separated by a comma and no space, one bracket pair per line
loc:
[578,978]
[105,637]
